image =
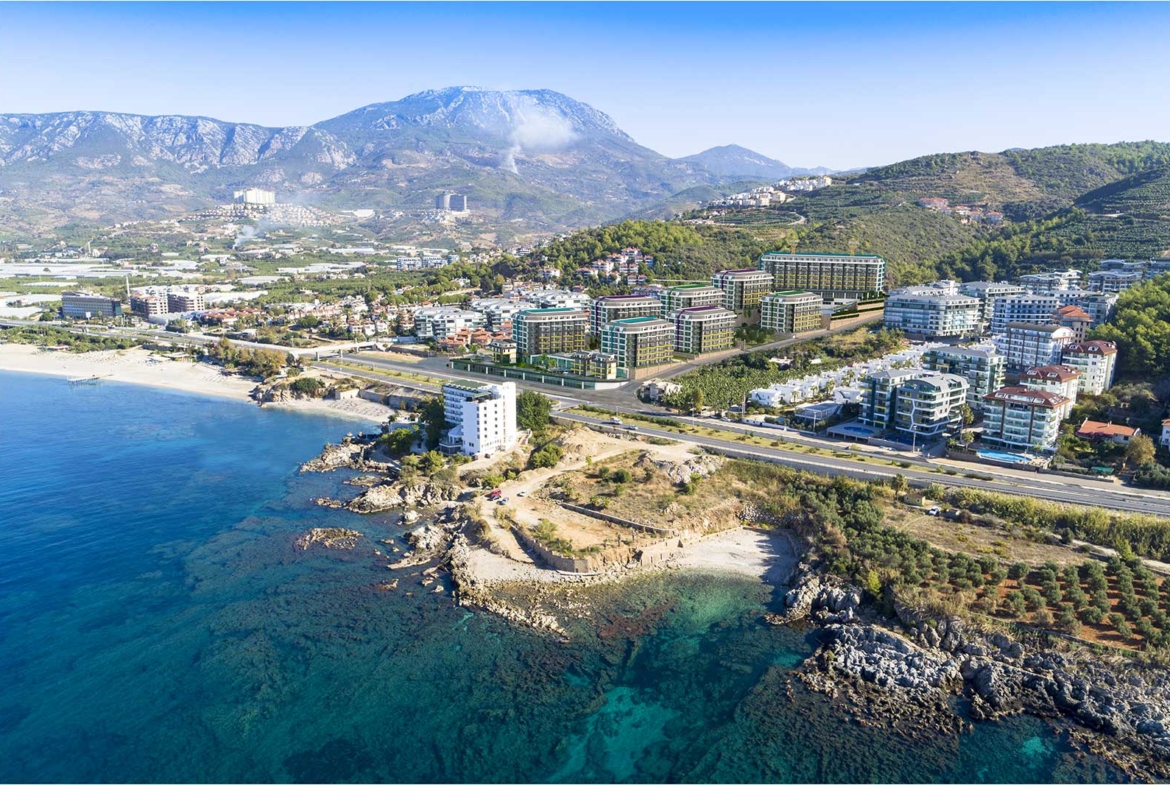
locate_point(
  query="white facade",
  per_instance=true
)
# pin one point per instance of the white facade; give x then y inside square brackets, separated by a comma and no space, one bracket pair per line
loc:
[482,419]
[443,322]
[931,311]
[1096,361]
[1059,379]
[1023,418]
[1026,345]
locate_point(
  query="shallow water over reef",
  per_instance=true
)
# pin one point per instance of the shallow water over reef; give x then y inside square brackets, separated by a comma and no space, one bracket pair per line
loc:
[157,625]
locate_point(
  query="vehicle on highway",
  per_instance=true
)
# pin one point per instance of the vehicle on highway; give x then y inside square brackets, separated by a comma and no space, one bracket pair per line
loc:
[615,420]
[631,427]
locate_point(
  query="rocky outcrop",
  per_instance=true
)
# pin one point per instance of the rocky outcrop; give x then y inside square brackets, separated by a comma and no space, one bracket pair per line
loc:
[419,493]
[886,659]
[823,597]
[349,454]
[336,538]
[702,465]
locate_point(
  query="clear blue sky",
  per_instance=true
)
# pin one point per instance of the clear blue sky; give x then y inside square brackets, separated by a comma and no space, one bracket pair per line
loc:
[830,84]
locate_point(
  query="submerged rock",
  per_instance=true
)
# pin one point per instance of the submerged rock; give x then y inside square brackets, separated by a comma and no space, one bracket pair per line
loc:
[336,538]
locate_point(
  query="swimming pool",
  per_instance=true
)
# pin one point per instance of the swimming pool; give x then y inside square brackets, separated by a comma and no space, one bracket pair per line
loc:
[1003,457]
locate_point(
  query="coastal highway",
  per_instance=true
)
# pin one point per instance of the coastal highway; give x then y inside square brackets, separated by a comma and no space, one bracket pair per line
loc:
[1051,488]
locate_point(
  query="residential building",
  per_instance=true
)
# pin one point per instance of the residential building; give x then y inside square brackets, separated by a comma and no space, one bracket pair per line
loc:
[559,298]
[148,305]
[791,312]
[1022,418]
[1165,440]
[928,406]
[1096,361]
[1025,345]
[836,277]
[1105,431]
[549,330]
[1055,281]
[880,396]
[439,322]
[1156,267]
[458,203]
[1074,318]
[82,305]
[703,330]
[986,293]
[185,301]
[482,419]
[691,295]
[1113,280]
[1098,305]
[621,306]
[500,310]
[1030,308]
[982,367]
[503,350]
[1060,379]
[929,312]
[598,365]
[1122,266]
[742,289]
[640,342]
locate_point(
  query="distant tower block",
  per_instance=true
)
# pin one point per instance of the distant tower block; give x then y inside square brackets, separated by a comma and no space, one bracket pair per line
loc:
[443,202]
[458,203]
[255,196]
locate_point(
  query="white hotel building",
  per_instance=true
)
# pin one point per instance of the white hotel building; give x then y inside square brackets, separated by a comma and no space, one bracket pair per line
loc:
[482,419]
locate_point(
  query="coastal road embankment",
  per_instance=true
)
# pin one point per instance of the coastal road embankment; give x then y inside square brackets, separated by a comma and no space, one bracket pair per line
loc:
[1070,493]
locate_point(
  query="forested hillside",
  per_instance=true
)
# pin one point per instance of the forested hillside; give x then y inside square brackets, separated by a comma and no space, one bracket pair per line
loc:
[1071,205]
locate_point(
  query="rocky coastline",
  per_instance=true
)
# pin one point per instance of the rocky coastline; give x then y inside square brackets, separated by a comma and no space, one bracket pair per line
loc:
[915,669]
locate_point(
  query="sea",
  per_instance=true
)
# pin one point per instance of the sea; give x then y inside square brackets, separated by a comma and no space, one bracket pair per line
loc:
[158,624]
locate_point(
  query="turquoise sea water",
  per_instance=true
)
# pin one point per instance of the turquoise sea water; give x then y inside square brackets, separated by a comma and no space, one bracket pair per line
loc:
[157,625]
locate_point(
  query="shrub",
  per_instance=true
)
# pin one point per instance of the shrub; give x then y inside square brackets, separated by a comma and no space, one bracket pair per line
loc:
[621,476]
[546,457]
[1091,615]
[1121,625]
[1018,571]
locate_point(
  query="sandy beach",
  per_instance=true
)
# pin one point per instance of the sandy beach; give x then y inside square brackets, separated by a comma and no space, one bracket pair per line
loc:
[139,366]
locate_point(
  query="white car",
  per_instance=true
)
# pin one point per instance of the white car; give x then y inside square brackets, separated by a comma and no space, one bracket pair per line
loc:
[521,494]
[933,511]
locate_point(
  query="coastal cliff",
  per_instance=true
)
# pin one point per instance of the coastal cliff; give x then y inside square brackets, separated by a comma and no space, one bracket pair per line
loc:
[906,669]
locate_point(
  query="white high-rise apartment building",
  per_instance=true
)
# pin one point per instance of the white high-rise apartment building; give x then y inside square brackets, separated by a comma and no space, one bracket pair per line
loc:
[1025,345]
[1096,360]
[482,419]
[932,312]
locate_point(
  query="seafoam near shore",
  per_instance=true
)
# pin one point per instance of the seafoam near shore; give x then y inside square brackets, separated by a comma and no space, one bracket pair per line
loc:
[138,366]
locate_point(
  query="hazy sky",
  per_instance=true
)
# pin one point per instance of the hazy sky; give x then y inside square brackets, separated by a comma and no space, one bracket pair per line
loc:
[819,84]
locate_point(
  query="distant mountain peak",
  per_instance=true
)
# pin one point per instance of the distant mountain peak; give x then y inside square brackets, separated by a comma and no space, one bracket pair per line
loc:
[736,161]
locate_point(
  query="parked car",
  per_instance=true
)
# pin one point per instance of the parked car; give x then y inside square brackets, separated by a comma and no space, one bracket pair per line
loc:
[521,494]
[933,511]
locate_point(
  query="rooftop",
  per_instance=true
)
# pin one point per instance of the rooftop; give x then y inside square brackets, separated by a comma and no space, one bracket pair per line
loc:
[1091,347]
[825,255]
[1023,395]
[1053,373]
[1092,428]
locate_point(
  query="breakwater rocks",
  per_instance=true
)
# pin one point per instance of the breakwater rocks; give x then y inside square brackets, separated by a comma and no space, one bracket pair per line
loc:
[336,538]
[1121,705]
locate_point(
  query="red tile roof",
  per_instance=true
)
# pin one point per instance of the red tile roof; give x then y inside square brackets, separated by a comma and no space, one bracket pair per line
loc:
[1053,373]
[1091,429]
[1091,347]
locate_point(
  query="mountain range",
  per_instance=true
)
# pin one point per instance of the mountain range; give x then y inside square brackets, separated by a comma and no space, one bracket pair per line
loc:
[536,158]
